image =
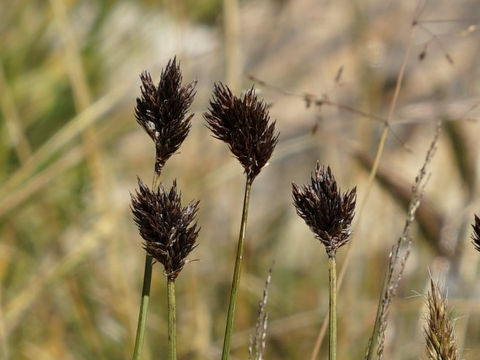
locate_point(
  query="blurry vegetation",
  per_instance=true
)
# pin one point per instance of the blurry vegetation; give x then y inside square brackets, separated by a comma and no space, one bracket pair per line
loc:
[204,11]
[70,256]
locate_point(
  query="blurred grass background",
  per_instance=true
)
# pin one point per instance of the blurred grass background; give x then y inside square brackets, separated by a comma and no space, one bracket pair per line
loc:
[70,257]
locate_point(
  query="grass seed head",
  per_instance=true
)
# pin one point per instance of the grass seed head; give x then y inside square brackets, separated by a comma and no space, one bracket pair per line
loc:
[162,111]
[168,229]
[244,124]
[476,233]
[327,211]
[439,332]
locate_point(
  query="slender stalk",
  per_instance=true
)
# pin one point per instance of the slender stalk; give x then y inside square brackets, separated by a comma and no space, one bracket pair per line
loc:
[373,172]
[371,178]
[172,327]
[142,316]
[147,280]
[236,272]
[375,339]
[332,275]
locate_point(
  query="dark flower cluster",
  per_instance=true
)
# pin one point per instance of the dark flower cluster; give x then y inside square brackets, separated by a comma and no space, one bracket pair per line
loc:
[168,229]
[162,110]
[244,124]
[327,211]
[476,233]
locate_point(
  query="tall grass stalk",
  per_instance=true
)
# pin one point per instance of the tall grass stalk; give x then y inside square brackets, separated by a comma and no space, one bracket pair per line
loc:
[328,213]
[332,276]
[237,271]
[244,124]
[374,169]
[162,112]
[142,316]
[147,281]
[169,231]
[398,256]
[172,326]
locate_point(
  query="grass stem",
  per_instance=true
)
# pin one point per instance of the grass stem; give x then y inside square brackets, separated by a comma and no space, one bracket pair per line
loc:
[375,339]
[172,327]
[332,275]
[142,316]
[147,281]
[371,178]
[236,272]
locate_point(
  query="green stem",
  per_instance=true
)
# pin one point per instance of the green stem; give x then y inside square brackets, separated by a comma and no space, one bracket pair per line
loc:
[374,340]
[147,281]
[332,272]
[156,181]
[172,327]
[236,272]
[142,316]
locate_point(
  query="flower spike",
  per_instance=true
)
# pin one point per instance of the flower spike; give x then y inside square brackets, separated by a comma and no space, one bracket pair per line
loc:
[327,211]
[162,111]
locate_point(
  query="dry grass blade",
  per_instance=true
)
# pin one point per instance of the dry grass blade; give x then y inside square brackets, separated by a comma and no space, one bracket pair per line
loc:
[256,348]
[61,139]
[82,99]
[399,255]
[439,333]
[13,124]
[49,273]
[42,179]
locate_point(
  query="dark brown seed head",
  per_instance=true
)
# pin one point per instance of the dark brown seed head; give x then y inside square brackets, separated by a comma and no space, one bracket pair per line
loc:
[167,228]
[162,110]
[244,124]
[476,233]
[327,211]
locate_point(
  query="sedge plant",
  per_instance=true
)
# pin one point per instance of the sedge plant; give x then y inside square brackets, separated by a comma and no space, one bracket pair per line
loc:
[329,213]
[162,112]
[244,124]
[169,233]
